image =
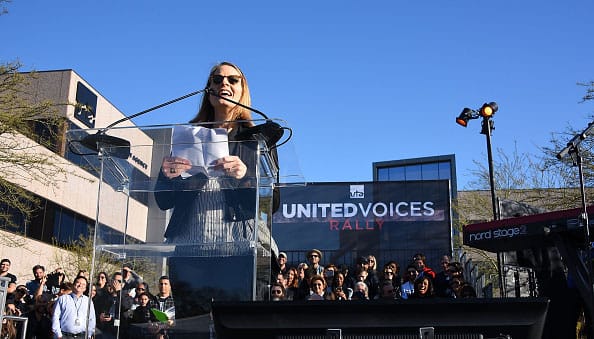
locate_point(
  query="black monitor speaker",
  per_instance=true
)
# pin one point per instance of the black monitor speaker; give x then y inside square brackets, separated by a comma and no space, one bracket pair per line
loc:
[378,319]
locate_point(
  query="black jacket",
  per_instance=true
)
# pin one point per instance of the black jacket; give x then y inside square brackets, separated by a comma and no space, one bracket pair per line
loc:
[180,193]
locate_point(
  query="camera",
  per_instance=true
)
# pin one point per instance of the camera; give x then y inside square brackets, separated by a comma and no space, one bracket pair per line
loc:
[54,279]
[329,274]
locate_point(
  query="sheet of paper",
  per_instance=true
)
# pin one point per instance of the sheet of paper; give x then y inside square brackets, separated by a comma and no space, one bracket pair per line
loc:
[201,146]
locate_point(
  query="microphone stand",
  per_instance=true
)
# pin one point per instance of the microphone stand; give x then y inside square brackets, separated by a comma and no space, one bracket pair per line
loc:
[271,130]
[100,140]
[573,149]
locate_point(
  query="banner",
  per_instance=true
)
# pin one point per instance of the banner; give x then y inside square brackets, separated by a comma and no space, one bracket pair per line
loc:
[366,217]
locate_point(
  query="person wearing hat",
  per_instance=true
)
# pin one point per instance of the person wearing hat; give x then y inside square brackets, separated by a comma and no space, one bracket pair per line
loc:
[314,257]
[282,263]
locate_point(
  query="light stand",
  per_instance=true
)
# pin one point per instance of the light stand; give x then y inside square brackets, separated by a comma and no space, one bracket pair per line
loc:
[486,112]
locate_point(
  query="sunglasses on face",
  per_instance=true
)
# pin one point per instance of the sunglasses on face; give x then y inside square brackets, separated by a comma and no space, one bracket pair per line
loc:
[218,79]
[277,292]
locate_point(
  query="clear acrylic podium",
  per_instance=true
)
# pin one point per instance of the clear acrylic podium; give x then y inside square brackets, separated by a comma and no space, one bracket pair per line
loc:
[209,233]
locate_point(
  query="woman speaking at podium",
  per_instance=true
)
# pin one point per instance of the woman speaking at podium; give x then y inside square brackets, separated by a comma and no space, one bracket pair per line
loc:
[216,215]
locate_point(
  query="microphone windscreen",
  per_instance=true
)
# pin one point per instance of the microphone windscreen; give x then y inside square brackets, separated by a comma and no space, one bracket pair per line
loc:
[270,130]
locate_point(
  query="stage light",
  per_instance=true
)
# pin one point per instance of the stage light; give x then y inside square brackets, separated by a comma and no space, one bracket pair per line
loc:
[488,110]
[463,118]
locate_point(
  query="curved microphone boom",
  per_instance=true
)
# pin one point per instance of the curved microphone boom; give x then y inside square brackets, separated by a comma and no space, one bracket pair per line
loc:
[270,130]
[100,140]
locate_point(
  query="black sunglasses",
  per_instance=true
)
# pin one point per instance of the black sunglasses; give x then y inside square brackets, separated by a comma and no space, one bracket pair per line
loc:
[218,79]
[277,292]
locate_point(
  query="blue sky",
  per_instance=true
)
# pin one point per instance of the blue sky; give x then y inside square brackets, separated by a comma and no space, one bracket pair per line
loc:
[357,81]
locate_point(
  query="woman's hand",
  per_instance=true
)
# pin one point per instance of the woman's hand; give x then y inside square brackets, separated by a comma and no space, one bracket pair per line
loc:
[173,166]
[232,166]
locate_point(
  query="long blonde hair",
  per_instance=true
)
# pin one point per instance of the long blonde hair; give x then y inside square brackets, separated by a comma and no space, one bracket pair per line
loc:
[206,111]
[8,326]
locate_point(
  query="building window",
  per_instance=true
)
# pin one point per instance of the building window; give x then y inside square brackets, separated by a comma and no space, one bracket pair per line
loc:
[52,224]
[445,170]
[441,167]
[424,171]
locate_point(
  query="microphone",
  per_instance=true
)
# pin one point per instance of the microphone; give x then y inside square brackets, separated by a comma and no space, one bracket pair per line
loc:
[101,140]
[576,141]
[270,130]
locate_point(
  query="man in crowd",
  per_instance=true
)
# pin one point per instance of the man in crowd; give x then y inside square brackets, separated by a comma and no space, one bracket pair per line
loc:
[130,278]
[387,291]
[72,311]
[164,302]
[112,308]
[420,261]
[282,263]
[441,283]
[314,257]
[408,287]
[4,267]
[38,283]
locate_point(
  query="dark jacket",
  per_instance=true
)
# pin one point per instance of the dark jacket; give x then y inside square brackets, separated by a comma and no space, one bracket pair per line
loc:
[109,302]
[142,314]
[241,199]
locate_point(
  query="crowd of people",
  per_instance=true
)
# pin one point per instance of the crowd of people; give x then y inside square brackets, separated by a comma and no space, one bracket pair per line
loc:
[121,301]
[122,305]
[312,281]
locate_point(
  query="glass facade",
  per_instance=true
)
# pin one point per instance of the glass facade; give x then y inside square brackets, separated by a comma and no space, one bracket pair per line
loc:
[428,168]
[52,223]
[408,172]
